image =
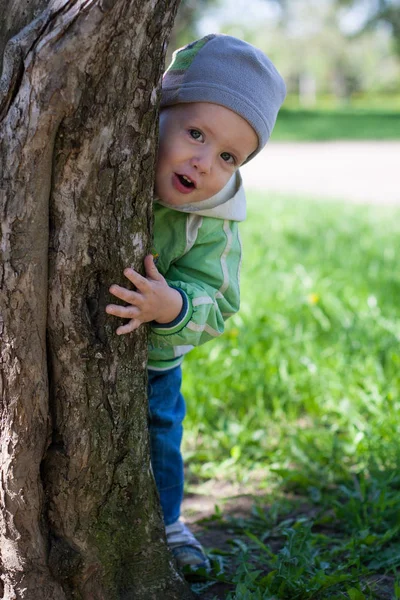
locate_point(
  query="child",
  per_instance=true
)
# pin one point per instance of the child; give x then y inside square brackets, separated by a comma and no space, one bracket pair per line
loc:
[219,102]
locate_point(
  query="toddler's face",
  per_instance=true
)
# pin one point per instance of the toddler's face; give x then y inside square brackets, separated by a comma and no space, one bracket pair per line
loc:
[201,145]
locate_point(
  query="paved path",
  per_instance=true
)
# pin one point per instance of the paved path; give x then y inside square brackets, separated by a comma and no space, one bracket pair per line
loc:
[354,171]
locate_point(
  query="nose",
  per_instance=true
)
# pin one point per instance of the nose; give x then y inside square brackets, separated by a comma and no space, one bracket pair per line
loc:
[202,162]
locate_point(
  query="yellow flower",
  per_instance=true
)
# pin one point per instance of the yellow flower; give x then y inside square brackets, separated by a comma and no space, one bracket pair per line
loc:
[313,298]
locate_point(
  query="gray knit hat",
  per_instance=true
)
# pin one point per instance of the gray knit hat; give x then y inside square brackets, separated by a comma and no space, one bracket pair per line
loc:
[228,71]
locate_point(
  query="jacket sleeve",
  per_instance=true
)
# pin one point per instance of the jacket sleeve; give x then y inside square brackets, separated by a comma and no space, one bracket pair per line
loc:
[207,278]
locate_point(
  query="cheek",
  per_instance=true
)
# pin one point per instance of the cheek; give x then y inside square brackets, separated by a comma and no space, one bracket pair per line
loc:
[169,153]
[158,172]
[220,180]
[161,153]
[161,169]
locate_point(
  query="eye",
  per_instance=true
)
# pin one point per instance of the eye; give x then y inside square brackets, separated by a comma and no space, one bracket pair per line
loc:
[228,158]
[196,134]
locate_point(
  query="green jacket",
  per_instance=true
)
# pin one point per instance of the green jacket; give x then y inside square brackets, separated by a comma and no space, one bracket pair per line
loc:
[199,253]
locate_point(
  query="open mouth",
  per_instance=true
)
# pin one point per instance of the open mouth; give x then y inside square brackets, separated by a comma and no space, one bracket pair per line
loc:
[185,181]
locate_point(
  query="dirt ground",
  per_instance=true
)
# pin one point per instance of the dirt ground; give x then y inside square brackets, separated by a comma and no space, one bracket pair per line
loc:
[233,500]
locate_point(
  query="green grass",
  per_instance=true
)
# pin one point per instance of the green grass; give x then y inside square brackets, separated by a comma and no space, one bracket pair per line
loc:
[340,124]
[324,552]
[301,398]
[364,101]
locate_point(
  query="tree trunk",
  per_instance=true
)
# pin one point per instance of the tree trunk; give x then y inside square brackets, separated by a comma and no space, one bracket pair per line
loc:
[78,98]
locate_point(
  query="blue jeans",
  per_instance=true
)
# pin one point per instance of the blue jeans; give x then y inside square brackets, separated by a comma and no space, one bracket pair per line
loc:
[166,413]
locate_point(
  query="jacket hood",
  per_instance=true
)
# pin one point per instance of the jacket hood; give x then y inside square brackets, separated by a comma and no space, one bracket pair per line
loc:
[229,203]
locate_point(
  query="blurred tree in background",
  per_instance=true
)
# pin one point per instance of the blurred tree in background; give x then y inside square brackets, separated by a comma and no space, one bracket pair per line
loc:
[329,51]
[185,28]
[376,13]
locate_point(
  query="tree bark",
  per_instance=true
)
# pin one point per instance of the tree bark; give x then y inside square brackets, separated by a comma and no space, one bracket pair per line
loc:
[78,101]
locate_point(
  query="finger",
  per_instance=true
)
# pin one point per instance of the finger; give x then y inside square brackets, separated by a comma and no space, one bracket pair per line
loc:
[138,280]
[151,269]
[129,327]
[124,294]
[125,312]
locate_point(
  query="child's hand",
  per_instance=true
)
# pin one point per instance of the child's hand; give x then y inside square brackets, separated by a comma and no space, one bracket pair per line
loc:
[153,299]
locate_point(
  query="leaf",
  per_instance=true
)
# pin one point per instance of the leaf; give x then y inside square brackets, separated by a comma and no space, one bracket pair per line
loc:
[390,557]
[260,544]
[355,594]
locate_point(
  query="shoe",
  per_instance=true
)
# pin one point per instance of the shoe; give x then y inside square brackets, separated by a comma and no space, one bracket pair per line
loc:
[187,550]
